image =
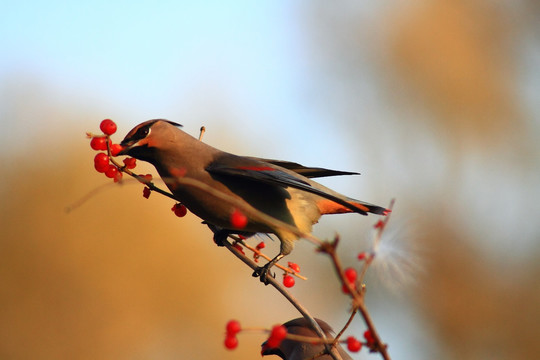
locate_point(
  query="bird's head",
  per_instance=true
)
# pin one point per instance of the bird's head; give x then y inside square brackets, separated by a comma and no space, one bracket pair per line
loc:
[291,349]
[146,138]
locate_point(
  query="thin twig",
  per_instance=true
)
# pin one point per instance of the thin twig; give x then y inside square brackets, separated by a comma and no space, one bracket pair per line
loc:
[86,197]
[338,336]
[358,303]
[272,281]
[203,129]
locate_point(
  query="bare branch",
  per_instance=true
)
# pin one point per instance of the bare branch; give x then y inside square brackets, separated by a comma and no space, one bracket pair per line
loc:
[272,281]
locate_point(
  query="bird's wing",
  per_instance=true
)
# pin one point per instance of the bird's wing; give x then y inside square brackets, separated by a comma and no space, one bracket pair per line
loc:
[309,172]
[254,170]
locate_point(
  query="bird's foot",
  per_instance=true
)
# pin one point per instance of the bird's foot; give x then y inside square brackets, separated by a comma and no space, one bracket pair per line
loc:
[220,237]
[263,273]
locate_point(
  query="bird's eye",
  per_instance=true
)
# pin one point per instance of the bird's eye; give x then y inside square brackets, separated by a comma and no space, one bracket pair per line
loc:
[141,133]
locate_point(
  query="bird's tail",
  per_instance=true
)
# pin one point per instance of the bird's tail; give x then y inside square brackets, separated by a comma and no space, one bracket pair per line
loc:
[327,206]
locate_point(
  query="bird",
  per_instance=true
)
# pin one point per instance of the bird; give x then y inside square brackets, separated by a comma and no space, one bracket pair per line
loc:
[299,350]
[281,189]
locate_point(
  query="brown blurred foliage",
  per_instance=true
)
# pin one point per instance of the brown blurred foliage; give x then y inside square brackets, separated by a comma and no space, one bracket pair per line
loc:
[454,57]
[479,308]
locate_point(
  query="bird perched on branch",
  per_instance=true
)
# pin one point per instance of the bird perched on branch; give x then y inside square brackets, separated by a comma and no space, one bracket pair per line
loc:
[283,190]
[300,350]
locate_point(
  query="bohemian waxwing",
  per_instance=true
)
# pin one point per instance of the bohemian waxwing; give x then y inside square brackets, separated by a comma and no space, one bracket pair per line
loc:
[298,350]
[281,189]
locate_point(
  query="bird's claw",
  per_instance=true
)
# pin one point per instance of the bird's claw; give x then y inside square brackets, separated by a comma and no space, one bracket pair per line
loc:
[263,272]
[220,237]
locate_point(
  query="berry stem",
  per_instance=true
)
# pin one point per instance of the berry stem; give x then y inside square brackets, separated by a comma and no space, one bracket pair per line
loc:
[141,179]
[259,253]
[351,317]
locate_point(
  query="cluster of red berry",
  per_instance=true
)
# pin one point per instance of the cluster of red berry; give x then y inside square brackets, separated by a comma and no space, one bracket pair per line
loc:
[354,345]
[288,280]
[102,161]
[239,247]
[259,247]
[277,334]
[231,329]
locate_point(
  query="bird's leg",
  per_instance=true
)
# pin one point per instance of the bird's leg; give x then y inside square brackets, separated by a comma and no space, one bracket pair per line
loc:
[220,236]
[264,271]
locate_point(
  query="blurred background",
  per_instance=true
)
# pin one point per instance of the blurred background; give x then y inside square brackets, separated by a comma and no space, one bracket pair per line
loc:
[436,103]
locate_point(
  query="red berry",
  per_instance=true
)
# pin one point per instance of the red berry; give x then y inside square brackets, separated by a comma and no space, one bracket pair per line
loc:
[261,245]
[294,267]
[101,162]
[99,143]
[350,275]
[362,256]
[145,179]
[108,126]
[278,333]
[239,248]
[115,149]
[233,327]
[179,210]
[111,171]
[101,168]
[101,158]
[353,344]
[369,337]
[345,289]
[231,342]
[379,224]
[146,192]
[130,162]
[238,219]
[288,281]
[118,176]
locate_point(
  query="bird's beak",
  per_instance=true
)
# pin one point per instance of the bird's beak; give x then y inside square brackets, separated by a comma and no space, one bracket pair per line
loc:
[264,349]
[124,151]
[126,146]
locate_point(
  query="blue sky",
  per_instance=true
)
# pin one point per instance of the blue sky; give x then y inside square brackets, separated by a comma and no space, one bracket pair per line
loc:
[135,61]
[155,57]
